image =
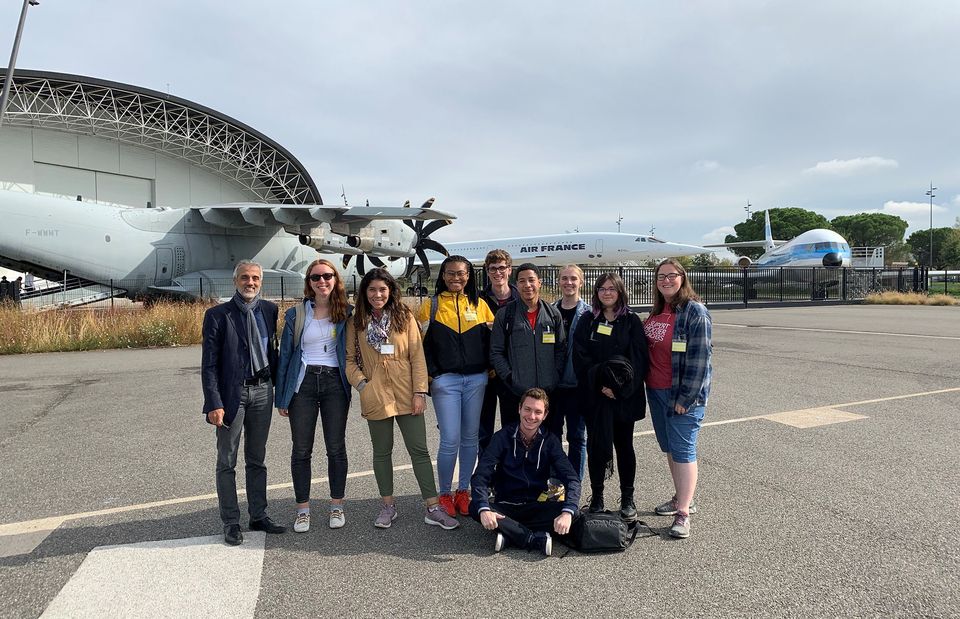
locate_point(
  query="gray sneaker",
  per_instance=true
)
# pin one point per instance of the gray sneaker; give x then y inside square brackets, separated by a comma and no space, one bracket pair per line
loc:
[337,517]
[436,516]
[388,513]
[669,508]
[681,526]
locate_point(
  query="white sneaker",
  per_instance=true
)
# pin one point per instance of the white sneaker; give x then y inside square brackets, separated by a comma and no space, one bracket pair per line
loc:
[500,542]
[302,523]
[337,519]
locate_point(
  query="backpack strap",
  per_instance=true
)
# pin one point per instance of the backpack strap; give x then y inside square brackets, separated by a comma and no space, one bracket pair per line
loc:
[434,303]
[298,322]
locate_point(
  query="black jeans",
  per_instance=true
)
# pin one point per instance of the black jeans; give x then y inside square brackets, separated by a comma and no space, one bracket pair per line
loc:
[522,519]
[253,418]
[509,406]
[626,460]
[320,395]
[567,405]
[488,414]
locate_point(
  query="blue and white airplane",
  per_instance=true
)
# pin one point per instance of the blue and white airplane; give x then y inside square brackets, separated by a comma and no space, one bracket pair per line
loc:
[813,248]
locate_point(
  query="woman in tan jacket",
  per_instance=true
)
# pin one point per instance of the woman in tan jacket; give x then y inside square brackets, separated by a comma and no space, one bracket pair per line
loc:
[385,364]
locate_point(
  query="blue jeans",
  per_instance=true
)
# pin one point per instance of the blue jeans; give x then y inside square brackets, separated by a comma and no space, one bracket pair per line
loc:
[566,405]
[320,395]
[676,434]
[457,400]
[253,418]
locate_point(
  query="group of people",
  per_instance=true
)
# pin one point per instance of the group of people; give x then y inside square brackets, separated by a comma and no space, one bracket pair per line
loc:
[593,367]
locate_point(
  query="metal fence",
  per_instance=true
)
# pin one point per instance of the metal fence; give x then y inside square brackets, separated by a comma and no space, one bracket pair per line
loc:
[721,286]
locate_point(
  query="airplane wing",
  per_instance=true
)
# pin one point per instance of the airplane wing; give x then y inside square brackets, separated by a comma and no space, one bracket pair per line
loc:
[747,244]
[341,219]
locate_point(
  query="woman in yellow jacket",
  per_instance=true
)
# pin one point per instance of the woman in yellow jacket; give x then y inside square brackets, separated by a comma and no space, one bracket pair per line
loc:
[385,363]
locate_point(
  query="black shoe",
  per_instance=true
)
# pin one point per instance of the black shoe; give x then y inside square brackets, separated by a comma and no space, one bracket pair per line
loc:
[628,511]
[596,504]
[232,535]
[267,526]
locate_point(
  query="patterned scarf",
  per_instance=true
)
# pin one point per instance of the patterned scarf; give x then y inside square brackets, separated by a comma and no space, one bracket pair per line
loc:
[258,357]
[378,331]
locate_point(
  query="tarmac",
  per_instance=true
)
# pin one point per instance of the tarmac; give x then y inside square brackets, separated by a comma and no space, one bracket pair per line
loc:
[828,486]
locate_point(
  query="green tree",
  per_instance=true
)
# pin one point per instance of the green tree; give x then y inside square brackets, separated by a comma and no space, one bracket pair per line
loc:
[785,223]
[950,253]
[943,239]
[705,260]
[870,229]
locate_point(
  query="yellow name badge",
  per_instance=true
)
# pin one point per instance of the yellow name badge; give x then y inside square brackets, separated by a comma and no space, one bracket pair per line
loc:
[549,338]
[679,346]
[333,331]
[604,329]
[470,316]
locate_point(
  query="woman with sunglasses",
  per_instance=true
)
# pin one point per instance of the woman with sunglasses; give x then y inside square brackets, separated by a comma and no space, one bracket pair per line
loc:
[456,345]
[312,384]
[679,332]
[385,364]
[610,359]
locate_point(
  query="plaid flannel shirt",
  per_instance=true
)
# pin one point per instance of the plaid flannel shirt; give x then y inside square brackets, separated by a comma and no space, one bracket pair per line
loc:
[692,369]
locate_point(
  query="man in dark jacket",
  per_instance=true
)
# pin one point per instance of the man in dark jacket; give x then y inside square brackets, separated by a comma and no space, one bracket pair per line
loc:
[237,370]
[517,464]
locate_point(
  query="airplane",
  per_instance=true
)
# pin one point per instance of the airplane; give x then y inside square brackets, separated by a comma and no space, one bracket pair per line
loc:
[813,248]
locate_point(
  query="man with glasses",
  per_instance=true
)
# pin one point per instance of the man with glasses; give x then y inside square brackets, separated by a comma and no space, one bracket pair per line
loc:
[237,370]
[498,293]
[528,345]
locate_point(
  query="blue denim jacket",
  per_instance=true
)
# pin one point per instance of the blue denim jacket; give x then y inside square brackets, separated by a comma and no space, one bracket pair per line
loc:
[291,368]
[569,378]
[692,369]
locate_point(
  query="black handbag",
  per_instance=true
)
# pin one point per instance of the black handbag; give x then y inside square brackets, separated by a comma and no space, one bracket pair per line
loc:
[603,532]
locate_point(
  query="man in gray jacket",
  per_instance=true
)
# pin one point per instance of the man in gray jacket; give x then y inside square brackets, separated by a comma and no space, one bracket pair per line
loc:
[527,346]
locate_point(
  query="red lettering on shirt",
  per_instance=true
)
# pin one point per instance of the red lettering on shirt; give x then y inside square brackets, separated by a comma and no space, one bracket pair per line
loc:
[659,332]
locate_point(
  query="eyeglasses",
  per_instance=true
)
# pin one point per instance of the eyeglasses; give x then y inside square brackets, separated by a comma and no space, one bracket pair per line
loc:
[606,290]
[316,277]
[501,269]
[456,273]
[670,276]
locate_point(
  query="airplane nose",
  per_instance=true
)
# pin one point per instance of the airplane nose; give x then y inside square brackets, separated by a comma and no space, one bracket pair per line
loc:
[832,259]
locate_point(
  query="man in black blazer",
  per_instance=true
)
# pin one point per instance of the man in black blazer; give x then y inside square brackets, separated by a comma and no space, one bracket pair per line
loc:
[237,371]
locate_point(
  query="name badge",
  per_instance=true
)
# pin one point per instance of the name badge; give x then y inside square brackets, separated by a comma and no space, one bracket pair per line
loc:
[604,329]
[679,346]
[387,349]
[549,338]
[333,331]
[470,316]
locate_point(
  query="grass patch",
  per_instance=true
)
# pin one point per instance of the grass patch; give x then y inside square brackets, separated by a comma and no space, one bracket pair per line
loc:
[910,298]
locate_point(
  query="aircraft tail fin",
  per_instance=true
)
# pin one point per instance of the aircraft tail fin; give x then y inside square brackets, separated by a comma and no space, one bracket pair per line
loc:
[768,243]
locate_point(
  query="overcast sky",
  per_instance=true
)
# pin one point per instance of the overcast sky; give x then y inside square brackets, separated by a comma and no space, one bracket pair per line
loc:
[538,117]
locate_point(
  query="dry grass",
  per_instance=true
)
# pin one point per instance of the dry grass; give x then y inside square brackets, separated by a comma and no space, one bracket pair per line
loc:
[911,298]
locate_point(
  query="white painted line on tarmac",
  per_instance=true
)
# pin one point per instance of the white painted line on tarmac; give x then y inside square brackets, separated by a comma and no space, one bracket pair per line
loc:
[883,333]
[51,523]
[195,577]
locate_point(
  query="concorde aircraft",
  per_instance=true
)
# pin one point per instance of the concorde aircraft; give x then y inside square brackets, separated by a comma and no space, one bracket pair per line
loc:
[189,252]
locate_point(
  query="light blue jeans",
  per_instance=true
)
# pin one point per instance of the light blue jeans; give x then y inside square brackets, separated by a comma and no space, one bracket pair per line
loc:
[457,400]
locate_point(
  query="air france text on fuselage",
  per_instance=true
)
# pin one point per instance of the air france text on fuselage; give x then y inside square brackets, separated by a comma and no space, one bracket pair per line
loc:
[544,248]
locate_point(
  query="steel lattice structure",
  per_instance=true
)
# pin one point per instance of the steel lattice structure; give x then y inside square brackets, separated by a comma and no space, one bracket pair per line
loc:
[162,123]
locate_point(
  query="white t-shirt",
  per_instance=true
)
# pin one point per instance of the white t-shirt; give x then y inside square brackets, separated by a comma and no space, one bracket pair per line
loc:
[320,342]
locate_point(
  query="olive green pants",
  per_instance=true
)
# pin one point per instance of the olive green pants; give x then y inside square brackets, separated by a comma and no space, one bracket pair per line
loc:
[414,432]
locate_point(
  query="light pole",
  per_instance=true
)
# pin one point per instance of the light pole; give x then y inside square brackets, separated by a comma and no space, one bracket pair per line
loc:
[932,196]
[8,80]
[619,219]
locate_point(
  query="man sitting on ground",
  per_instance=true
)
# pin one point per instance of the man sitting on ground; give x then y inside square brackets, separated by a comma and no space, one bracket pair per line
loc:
[518,463]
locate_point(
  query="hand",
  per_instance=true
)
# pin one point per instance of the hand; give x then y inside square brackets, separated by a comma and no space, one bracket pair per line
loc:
[216,417]
[561,524]
[419,403]
[489,519]
[608,392]
[679,409]
[361,385]
[283,412]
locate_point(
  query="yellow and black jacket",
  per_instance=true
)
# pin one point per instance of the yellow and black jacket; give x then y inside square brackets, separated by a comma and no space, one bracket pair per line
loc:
[458,337]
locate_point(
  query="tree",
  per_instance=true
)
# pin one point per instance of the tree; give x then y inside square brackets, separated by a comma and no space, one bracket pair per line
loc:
[950,252]
[943,239]
[785,223]
[870,229]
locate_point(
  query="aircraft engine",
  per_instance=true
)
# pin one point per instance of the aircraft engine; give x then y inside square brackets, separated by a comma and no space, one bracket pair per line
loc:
[384,238]
[744,261]
[324,240]
[832,259]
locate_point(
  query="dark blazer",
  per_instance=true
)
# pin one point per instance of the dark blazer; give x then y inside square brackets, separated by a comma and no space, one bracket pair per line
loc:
[225,358]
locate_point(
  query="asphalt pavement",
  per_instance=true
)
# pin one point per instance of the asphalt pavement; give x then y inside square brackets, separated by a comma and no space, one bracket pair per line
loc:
[845,507]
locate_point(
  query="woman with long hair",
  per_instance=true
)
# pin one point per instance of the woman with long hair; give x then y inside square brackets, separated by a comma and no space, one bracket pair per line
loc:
[457,349]
[385,364]
[312,384]
[679,333]
[610,358]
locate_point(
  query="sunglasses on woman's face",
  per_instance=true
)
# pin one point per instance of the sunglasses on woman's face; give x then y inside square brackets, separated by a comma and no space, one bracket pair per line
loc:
[316,277]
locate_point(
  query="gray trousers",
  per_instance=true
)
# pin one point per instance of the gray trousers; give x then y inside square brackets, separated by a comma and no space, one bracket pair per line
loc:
[254,415]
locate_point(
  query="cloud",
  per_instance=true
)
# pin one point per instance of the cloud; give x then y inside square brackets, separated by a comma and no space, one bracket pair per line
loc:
[910,209]
[717,235]
[956,199]
[706,165]
[849,167]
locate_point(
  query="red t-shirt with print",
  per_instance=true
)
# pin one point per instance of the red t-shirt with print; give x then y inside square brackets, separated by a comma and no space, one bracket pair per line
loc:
[659,332]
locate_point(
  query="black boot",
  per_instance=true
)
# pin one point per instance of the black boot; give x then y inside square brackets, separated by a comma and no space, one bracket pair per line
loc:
[596,502]
[628,511]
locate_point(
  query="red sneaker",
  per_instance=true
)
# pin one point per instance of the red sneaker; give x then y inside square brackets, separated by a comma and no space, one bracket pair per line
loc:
[462,502]
[446,502]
